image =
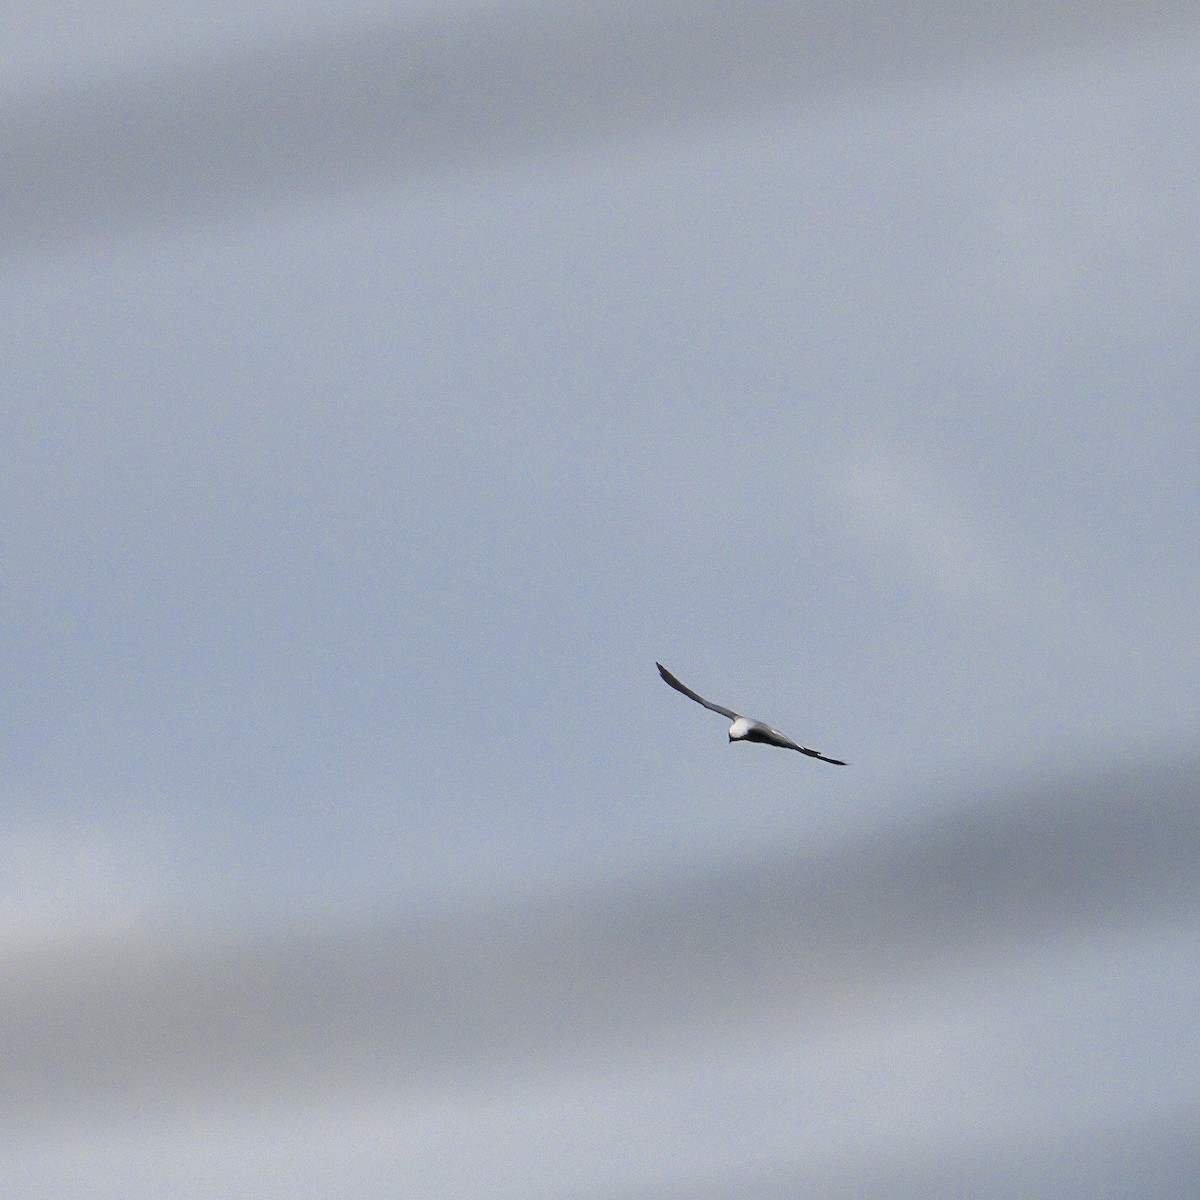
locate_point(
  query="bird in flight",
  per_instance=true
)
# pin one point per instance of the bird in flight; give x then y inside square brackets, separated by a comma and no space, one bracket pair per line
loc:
[745,729]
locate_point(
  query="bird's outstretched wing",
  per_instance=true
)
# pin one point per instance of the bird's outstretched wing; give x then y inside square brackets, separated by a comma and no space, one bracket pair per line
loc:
[837,762]
[687,691]
[768,733]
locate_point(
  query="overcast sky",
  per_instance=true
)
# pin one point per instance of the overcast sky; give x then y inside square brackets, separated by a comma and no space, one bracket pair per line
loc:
[369,434]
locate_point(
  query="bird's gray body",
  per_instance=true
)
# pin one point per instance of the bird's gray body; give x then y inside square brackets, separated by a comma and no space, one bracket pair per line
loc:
[745,729]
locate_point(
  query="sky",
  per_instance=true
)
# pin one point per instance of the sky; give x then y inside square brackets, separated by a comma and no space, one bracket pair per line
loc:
[368,436]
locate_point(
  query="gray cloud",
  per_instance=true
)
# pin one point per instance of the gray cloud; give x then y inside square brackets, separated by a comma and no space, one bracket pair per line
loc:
[460,996]
[388,101]
[1070,1168]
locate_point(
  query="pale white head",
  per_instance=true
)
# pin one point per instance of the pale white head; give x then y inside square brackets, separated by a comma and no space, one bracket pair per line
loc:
[739,729]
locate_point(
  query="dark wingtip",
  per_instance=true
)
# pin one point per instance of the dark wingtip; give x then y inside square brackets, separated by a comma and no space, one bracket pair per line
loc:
[837,762]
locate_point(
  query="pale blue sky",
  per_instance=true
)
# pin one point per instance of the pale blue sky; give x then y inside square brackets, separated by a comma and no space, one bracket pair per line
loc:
[345,518]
